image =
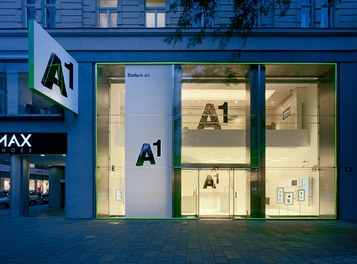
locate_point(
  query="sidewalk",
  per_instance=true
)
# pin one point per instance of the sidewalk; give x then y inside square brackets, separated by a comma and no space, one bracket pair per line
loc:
[48,237]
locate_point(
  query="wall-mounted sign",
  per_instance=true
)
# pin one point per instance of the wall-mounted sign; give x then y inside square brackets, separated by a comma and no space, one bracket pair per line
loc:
[33,143]
[52,71]
[287,113]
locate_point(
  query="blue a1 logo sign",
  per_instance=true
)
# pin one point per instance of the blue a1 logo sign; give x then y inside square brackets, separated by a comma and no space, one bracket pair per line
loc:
[146,153]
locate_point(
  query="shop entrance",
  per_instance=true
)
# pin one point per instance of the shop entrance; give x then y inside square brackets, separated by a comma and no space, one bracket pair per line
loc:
[215,192]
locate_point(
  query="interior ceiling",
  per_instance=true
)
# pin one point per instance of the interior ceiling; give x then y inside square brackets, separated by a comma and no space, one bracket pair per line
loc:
[46,160]
[194,94]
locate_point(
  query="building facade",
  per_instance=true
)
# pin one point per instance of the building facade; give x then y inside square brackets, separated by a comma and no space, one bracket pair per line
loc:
[260,129]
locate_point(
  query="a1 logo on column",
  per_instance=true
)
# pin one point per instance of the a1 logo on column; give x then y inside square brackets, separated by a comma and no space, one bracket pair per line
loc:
[147,155]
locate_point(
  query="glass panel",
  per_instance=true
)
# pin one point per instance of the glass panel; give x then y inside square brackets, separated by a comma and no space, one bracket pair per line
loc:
[292,192]
[113,19]
[213,114]
[103,20]
[150,20]
[117,192]
[155,19]
[189,192]
[108,3]
[214,193]
[20,100]
[160,19]
[110,140]
[155,3]
[241,193]
[117,149]
[2,93]
[300,157]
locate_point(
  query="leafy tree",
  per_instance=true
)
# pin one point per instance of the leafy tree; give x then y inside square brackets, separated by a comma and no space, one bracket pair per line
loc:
[243,18]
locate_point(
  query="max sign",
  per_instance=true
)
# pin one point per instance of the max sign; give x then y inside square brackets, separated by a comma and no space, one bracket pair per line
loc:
[52,71]
[33,143]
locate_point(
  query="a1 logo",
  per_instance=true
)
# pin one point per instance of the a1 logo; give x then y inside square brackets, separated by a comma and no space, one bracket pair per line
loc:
[54,74]
[147,155]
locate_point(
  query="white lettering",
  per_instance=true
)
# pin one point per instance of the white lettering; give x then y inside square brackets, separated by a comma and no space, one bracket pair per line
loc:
[26,140]
[135,75]
[4,138]
[14,140]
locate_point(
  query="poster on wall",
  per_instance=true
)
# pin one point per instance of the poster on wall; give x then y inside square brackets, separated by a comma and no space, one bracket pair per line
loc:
[289,198]
[280,195]
[286,113]
[301,195]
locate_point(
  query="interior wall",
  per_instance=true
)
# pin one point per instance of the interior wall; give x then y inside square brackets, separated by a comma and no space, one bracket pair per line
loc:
[288,165]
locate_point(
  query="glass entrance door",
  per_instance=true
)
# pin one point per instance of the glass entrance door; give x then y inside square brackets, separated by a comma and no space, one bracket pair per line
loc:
[214,193]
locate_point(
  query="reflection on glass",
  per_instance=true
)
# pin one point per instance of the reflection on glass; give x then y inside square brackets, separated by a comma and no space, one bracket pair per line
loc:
[17,99]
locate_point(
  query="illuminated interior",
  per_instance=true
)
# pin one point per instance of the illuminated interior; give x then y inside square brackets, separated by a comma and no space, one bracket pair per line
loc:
[215,176]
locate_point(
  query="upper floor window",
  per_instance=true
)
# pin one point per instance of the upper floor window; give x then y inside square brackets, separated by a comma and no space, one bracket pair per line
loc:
[155,13]
[200,18]
[49,13]
[29,11]
[16,99]
[108,14]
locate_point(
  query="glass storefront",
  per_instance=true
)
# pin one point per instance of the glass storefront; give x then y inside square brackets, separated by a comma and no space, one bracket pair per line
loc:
[216,140]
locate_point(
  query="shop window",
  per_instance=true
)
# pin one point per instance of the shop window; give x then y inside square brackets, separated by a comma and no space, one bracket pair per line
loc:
[300,139]
[108,13]
[213,113]
[155,13]
[20,100]
[214,143]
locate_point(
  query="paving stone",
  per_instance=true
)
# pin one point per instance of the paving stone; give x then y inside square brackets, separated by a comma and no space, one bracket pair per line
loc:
[55,239]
